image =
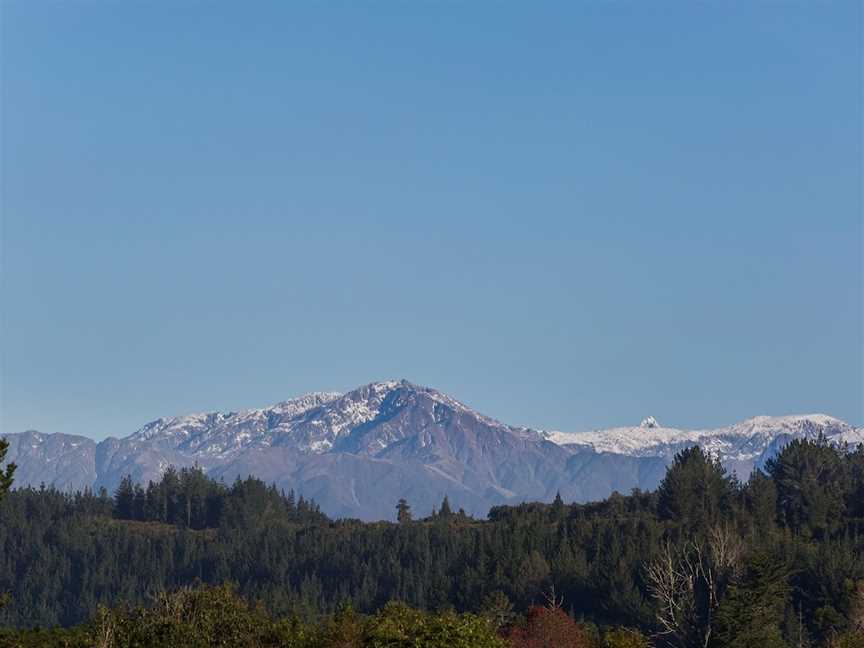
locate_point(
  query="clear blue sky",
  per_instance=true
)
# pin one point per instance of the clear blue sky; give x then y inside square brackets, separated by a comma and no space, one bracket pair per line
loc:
[568,215]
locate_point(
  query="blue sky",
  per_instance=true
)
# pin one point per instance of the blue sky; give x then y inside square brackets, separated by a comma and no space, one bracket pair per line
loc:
[567,215]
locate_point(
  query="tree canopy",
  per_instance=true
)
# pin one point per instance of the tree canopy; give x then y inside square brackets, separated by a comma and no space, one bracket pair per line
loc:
[705,560]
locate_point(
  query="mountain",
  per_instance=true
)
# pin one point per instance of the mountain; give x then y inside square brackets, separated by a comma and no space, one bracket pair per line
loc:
[357,453]
[65,460]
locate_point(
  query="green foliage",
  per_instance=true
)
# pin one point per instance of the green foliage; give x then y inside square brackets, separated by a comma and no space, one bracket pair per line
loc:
[498,609]
[5,485]
[7,474]
[398,625]
[190,499]
[812,481]
[851,639]
[696,491]
[403,511]
[208,616]
[445,511]
[217,616]
[754,563]
[752,613]
[625,638]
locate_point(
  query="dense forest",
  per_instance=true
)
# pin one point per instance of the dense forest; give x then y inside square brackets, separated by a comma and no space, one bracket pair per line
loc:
[706,560]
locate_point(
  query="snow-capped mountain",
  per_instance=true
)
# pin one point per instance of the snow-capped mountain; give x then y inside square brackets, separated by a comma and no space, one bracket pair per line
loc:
[741,447]
[356,453]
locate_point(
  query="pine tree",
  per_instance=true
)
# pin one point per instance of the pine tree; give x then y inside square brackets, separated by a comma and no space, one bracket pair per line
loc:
[124,499]
[5,485]
[5,476]
[812,485]
[753,610]
[558,507]
[445,511]
[695,491]
[139,503]
[403,514]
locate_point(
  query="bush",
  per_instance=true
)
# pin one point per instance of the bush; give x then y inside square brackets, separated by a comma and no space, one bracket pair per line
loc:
[625,638]
[548,628]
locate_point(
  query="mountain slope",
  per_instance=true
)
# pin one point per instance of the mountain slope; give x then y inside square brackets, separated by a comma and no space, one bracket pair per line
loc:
[62,459]
[742,446]
[357,453]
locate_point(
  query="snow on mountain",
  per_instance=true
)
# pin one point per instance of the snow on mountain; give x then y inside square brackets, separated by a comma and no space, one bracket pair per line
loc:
[634,441]
[742,446]
[216,434]
[853,437]
[355,452]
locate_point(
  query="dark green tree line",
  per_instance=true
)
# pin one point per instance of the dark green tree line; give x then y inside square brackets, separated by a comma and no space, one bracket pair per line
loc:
[705,560]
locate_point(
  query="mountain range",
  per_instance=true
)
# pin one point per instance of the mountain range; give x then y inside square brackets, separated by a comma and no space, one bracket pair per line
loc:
[357,453]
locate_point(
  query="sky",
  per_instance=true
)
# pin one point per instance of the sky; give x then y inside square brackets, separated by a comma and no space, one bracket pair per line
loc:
[568,215]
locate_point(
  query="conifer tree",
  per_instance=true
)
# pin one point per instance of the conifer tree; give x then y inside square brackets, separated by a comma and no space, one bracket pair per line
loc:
[753,610]
[695,491]
[812,483]
[445,511]
[403,511]
[5,476]
[124,499]
[558,506]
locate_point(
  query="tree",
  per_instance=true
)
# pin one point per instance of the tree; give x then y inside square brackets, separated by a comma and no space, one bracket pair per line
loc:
[403,511]
[760,501]
[558,508]
[5,485]
[752,612]
[498,609]
[532,576]
[856,608]
[625,638]
[445,511]
[396,624]
[689,582]
[695,491]
[671,580]
[812,484]
[547,627]
[5,476]
[124,499]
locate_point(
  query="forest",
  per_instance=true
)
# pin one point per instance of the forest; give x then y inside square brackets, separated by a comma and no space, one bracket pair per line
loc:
[705,560]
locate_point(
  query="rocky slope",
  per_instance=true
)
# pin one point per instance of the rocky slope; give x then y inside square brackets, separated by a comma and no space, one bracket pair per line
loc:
[357,453]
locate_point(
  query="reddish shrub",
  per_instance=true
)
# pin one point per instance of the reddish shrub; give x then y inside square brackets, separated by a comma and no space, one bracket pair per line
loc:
[547,628]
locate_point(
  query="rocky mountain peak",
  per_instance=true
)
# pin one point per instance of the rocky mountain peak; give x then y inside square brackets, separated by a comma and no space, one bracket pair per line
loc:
[355,452]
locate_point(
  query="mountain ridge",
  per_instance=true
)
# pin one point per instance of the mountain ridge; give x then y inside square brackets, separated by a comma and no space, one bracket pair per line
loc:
[359,451]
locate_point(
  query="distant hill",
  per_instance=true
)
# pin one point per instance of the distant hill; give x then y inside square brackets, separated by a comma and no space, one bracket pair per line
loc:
[355,454]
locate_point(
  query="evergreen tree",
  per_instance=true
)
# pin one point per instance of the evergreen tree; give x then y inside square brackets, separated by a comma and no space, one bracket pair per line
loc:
[498,609]
[752,613]
[139,503]
[124,499]
[618,562]
[696,490]
[558,508]
[760,501]
[403,511]
[5,476]
[812,485]
[445,511]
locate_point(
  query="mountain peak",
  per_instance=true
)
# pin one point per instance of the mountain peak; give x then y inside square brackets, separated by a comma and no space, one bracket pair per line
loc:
[353,451]
[300,404]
